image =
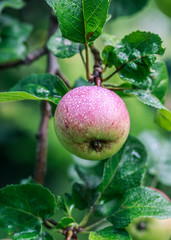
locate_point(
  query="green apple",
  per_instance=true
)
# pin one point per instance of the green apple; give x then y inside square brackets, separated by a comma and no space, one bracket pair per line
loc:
[92,122]
[164,6]
[144,228]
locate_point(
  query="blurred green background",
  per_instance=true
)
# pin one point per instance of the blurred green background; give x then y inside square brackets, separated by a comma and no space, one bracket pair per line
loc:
[19,121]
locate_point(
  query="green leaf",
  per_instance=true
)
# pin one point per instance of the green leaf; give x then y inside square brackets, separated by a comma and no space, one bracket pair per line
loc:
[83,196]
[134,56]
[13,4]
[103,208]
[65,203]
[163,119]
[65,221]
[159,80]
[146,97]
[81,82]
[124,170]
[37,87]
[163,115]
[120,8]
[107,56]
[16,96]
[13,35]
[155,92]
[83,21]
[110,233]
[139,202]
[91,176]
[159,161]
[22,207]
[42,85]
[63,48]
[44,236]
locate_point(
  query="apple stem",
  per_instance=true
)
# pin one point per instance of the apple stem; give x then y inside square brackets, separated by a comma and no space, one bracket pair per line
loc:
[98,82]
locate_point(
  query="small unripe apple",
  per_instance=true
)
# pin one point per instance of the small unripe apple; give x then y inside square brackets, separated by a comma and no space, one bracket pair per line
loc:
[92,122]
[145,228]
[164,6]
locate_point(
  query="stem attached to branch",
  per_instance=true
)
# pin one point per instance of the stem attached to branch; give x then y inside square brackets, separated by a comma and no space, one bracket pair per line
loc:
[30,58]
[97,73]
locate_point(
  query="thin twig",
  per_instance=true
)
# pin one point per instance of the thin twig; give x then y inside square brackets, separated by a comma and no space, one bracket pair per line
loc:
[111,75]
[95,224]
[49,223]
[89,213]
[58,72]
[30,58]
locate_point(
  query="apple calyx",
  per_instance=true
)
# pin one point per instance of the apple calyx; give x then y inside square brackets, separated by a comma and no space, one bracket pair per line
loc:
[97,145]
[142,226]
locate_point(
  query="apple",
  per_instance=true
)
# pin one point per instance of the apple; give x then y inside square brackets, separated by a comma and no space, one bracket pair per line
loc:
[92,122]
[164,6]
[145,228]
[150,229]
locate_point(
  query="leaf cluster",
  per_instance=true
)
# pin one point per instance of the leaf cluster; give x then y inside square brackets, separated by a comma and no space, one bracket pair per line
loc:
[111,190]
